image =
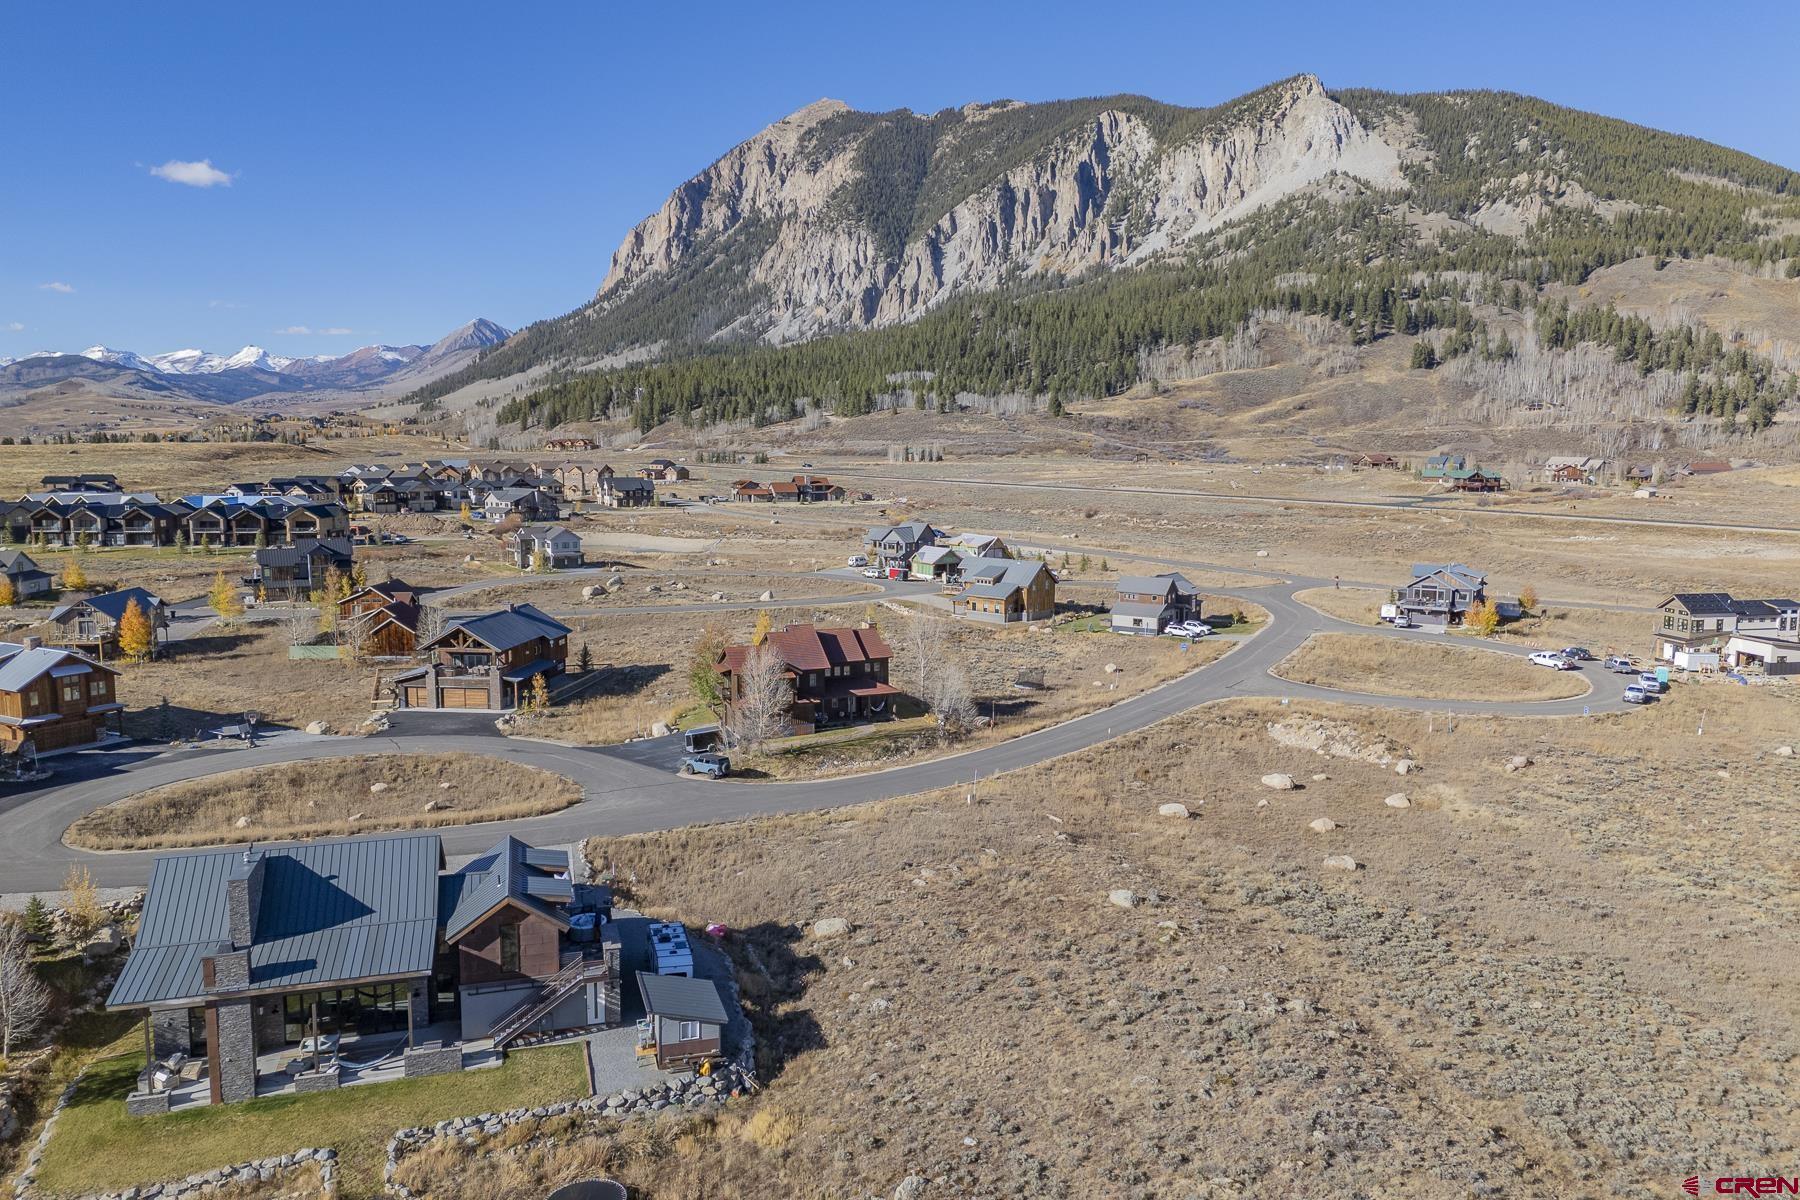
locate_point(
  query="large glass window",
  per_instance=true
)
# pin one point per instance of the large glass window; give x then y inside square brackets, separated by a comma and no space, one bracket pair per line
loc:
[509,948]
[373,1008]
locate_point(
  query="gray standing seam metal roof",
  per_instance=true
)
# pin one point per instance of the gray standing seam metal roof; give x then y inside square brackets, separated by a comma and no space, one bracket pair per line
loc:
[1136,608]
[328,913]
[19,666]
[1016,574]
[682,998]
[511,870]
[509,627]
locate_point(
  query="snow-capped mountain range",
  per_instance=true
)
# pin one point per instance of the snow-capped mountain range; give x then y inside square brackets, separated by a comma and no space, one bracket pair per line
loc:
[254,371]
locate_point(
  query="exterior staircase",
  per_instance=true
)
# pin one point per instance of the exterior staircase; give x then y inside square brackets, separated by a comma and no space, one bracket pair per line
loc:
[585,969]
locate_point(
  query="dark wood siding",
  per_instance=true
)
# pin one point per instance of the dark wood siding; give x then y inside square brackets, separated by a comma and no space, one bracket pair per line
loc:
[540,953]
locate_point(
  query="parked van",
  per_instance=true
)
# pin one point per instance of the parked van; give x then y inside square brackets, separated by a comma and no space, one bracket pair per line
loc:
[857,560]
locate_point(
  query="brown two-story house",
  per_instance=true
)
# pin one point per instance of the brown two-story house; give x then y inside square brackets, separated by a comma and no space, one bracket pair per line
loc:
[487,662]
[837,675]
[383,617]
[53,699]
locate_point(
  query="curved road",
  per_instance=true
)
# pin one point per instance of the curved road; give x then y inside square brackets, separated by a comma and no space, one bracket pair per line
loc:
[629,788]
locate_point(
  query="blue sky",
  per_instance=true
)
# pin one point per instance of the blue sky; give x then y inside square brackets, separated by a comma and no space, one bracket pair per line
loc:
[396,169]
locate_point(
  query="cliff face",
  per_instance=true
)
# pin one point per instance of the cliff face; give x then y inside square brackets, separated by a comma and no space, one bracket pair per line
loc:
[1100,194]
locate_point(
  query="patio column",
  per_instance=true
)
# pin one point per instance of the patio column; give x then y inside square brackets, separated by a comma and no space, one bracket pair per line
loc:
[409,1017]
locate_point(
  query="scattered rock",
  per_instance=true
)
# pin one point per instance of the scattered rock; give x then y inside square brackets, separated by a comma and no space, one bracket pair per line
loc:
[1262,554]
[830,927]
[590,591]
[1172,810]
[1123,897]
[375,789]
[244,822]
[1784,751]
[436,805]
[444,786]
[766,596]
[911,1188]
[1112,668]
[659,729]
[1323,825]
[317,727]
[1281,783]
[1321,777]
[1517,762]
[615,581]
[1398,800]
[1404,767]
[1340,862]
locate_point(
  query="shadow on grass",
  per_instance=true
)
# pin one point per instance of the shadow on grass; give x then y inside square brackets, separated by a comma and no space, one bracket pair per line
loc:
[772,977]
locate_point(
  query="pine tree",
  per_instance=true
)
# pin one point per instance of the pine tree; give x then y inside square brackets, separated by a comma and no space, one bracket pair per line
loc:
[584,662]
[36,917]
[137,636]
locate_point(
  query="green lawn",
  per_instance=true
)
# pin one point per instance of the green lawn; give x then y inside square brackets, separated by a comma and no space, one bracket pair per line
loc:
[98,1147]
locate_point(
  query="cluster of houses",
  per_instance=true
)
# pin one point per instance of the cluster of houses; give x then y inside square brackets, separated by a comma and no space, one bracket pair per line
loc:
[1458,473]
[800,489]
[94,510]
[980,575]
[1702,631]
[311,967]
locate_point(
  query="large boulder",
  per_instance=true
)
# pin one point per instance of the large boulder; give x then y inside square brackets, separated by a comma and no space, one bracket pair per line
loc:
[1323,825]
[1172,809]
[375,789]
[1398,800]
[1278,781]
[1123,897]
[1517,762]
[1339,862]
[659,729]
[316,728]
[830,927]
[1404,767]
[911,1188]
[766,597]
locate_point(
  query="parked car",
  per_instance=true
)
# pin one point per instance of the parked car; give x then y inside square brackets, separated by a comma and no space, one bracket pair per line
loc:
[1650,683]
[1620,665]
[1189,629]
[1551,659]
[713,766]
[872,572]
[1402,621]
[1635,694]
[857,560]
[1578,653]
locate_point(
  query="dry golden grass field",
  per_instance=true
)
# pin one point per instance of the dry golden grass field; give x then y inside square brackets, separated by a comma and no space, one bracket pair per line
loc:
[328,798]
[1428,670]
[1565,979]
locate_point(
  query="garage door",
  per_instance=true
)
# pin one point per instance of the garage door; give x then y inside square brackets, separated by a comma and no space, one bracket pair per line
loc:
[415,697]
[465,697]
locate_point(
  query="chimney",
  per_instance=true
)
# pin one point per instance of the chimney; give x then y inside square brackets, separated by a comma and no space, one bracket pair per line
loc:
[32,642]
[243,896]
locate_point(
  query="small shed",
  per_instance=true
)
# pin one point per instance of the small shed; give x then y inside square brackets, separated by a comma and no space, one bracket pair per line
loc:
[684,1019]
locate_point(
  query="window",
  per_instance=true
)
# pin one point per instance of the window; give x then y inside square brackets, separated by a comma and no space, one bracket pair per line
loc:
[72,690]
[509,948]
[97,687]
[690,1031]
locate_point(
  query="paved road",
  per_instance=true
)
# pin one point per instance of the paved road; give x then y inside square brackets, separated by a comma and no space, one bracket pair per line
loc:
[629,789]
[1416,503]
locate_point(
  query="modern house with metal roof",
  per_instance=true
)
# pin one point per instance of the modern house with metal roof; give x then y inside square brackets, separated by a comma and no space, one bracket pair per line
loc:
[1005,589]
[1702,630]
[1439,594]
[1148,604]
[53,699]
[91,625]
[487,662]
[296,967]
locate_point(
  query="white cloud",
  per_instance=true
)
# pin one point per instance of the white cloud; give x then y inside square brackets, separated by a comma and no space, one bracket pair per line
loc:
[223,304]
[309,331]
[200,174]
[15,327]
[57,286]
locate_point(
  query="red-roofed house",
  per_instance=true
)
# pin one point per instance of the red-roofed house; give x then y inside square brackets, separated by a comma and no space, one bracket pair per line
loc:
[838,675]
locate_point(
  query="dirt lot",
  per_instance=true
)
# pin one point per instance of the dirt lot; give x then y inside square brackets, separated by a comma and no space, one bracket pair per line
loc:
[1521,991]
[329,798]
[662,588]
[1430,670]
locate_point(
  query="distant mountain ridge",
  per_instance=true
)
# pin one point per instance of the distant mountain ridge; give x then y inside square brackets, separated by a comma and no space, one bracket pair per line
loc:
[1071,249]
[253,372]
